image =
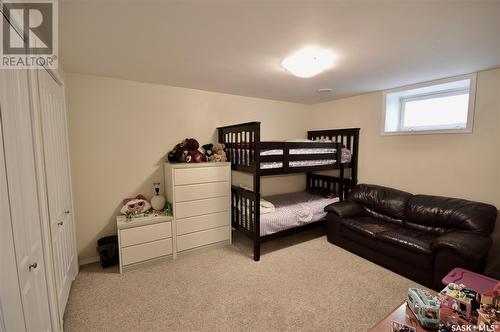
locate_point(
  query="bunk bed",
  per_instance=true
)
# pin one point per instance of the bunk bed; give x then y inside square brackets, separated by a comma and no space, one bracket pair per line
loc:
[335,149]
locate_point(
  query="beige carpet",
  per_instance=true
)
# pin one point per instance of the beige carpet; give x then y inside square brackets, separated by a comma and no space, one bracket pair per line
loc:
[301,283]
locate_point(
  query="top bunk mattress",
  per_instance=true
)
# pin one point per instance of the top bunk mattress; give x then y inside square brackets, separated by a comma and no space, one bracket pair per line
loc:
[292,210]
[346,155]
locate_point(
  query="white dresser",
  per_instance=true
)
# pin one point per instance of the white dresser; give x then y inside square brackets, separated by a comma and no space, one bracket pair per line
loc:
[142,239]
[200,195]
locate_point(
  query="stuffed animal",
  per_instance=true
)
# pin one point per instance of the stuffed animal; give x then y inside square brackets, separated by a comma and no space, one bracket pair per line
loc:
[191,144]
[135,205]
[193,154]
[194,157]
[219,155]
[178,153]
[186,151]
[208,150]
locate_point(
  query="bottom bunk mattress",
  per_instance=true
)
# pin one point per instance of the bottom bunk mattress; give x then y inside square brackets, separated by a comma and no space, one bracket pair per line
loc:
[292,210]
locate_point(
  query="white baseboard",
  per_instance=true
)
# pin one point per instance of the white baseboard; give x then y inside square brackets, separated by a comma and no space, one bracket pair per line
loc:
[89,260]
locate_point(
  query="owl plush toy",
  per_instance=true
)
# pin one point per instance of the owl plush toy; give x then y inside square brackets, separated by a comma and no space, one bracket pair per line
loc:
[135,205]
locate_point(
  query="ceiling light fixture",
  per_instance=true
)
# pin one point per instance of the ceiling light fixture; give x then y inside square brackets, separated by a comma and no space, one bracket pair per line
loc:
[308,62]
[325,90]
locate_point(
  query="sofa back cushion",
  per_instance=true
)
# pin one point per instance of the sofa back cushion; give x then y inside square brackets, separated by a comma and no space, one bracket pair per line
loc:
[381,200]
[436,214]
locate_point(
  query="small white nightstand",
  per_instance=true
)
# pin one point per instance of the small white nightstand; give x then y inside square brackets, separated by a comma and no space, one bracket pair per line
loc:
[143,239]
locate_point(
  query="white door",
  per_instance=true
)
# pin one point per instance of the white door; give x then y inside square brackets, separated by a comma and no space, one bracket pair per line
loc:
[11,308]
[55,150]
[23,199]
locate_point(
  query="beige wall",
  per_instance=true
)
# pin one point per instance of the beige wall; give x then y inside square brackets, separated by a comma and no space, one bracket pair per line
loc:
[459,165]
[120,132]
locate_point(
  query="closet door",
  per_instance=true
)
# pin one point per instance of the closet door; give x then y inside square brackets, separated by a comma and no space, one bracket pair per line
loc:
[55,150]
[10,300]
[25,218]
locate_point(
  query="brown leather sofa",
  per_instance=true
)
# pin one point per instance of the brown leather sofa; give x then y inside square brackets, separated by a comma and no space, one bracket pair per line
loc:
[418,236]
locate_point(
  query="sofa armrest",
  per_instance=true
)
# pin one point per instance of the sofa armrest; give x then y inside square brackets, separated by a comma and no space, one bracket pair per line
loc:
[467,245]
[345,209]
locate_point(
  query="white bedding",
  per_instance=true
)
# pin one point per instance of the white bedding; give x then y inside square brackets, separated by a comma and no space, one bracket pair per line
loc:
[296,163]
[279,152]
[346,157]
[292,210]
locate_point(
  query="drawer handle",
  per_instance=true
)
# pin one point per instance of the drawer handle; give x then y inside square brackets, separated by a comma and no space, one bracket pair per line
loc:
[60,223]
[67,211]
[32,266]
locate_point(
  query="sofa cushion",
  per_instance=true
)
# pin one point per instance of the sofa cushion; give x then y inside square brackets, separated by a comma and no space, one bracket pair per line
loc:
[426,229]
[382,217]
[409,239]
[451,213]
[387,201]
[407,262]
[345,209]
[368,226]
[466,244]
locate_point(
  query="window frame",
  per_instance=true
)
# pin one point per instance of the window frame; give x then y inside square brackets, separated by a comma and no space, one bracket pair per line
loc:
[426,130]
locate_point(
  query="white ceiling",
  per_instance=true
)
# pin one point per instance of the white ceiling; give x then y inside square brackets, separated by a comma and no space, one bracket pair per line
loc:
[236,47]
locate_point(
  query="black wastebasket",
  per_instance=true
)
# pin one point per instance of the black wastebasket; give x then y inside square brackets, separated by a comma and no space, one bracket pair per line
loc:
[107,248]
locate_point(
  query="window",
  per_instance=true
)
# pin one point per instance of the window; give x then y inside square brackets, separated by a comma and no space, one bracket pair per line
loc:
[444,106]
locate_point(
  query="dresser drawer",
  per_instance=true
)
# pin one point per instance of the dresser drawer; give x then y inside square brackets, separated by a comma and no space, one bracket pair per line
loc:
[148,233]
[145,251]
[200,223]
[198,191]
[201,175]
[200,207]
[202,238]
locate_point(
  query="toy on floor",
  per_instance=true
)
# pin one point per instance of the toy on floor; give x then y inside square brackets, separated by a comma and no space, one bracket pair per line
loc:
[424,306]
[135,206]
[489,310]
[461,300]
[472,280]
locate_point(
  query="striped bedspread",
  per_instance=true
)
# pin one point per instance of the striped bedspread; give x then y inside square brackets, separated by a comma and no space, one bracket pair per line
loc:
[292,210]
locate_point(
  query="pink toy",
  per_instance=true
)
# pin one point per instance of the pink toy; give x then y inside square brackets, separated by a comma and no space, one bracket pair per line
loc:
[471,296]
[461,300]
[472,280]
[135,205]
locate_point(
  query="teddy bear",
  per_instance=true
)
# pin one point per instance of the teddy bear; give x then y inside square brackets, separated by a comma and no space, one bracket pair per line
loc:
[208,150]
[186,151]
[178,153]
[219,155]
[193,154]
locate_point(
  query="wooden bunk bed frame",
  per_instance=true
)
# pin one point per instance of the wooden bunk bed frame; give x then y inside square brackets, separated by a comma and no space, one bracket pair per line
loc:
[243,147]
